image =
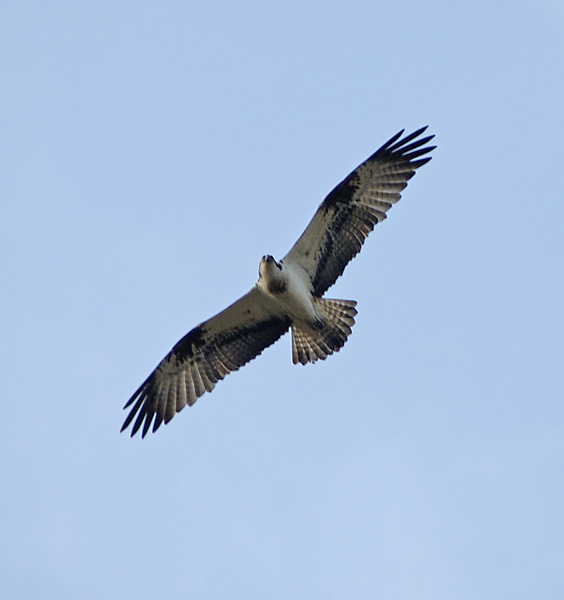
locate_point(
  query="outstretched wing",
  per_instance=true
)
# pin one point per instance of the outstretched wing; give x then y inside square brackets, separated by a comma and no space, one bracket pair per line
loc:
[204,356]
[349,213]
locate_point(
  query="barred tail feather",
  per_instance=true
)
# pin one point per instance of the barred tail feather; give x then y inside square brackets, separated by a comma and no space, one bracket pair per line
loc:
[309,345]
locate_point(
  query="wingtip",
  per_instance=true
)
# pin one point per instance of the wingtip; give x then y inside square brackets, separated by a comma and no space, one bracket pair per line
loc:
[146,427]
[399,142]
[419,163]
[393,139]
[404,145]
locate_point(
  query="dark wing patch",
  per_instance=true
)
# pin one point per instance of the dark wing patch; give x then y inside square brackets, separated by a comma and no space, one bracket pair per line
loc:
[195,364]
[349,213]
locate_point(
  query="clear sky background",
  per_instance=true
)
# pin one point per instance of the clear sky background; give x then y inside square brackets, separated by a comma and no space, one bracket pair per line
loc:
[151,153]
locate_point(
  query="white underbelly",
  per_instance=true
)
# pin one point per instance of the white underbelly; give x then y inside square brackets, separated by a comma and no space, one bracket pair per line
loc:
[299,305]
[290,291]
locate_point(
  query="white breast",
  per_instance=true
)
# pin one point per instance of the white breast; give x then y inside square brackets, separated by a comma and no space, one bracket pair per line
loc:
[297,299]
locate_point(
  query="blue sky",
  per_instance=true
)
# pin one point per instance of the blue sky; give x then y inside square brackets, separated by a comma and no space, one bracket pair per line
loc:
[151,153]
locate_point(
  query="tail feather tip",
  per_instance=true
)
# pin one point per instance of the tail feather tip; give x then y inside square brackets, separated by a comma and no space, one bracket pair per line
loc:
[310,345]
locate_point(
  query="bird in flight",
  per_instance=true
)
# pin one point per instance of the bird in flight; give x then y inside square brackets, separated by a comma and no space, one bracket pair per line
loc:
[288,293]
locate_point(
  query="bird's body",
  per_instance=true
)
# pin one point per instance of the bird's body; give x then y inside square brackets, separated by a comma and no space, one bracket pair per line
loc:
[288,293]
[289,287]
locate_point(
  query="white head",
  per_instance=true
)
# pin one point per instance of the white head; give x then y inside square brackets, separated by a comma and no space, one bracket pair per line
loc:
[271,274]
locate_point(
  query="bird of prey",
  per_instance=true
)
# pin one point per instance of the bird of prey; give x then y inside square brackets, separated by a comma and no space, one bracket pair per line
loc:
[288,293]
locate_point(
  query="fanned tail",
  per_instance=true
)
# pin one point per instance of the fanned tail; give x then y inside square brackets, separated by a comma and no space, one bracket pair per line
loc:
[311,344]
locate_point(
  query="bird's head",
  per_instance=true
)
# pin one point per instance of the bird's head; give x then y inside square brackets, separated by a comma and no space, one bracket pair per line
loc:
[268,264]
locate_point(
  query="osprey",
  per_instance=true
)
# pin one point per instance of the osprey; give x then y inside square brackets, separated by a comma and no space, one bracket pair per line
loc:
[288,293]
